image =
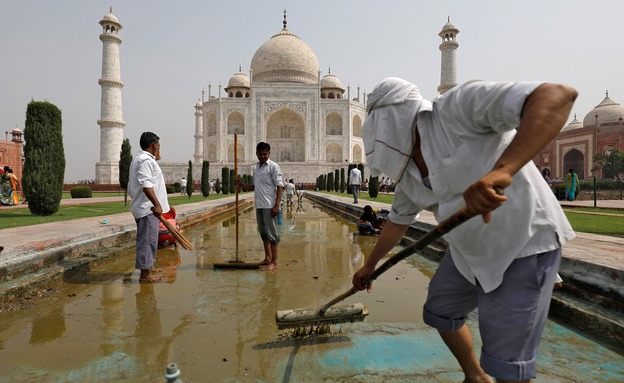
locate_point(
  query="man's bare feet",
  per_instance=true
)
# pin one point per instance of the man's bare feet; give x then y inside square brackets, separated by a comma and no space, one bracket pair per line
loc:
[156,270]
[269,267]
[150,279]
[265,262]
[146,277]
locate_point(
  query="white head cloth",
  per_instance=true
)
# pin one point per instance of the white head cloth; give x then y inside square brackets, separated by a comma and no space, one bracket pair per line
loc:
[388,130]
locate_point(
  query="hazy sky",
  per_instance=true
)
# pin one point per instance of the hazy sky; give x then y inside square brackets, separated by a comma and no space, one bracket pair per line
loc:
[171,49]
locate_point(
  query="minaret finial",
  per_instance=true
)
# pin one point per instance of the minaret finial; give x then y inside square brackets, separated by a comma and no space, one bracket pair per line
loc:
[329,69]
[240,68]
[607,93]
[449,19]
[285,22]
[111,9]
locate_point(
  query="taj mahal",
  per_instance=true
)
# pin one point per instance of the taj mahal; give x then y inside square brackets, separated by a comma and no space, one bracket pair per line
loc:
[311,121]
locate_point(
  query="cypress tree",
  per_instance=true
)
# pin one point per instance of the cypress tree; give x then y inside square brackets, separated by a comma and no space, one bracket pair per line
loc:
[218,186]
[189,182]
[351,166]
[373,187]
[342,180]
[330,181]
[336,180]
[225,176]
[44,168]
[232,186]
[125,159]
[205,179]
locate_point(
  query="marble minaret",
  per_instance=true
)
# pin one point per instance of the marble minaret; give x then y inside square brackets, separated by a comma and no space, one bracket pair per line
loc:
[199,131]
[448,49]
[111,121]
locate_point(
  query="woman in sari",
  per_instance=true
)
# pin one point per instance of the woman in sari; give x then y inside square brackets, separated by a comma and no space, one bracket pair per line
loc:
[571,182]
[14,185]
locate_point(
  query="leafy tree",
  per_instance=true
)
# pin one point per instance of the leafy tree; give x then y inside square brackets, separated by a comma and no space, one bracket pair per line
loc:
[205,179]
[373,187]
[125,159]
[44,167]
[225,175]
[612,164]
[189,180]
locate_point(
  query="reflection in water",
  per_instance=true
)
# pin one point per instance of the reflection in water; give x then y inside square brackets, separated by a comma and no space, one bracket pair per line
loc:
[216,324]
[49,326]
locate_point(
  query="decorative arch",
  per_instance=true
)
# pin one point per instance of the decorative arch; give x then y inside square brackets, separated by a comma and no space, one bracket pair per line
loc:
[574,159]
[333,124]
[285,132]
[211,154]
[357,126]
[333,153]
[212,125]
[357,154]
[230,153]
[236,123]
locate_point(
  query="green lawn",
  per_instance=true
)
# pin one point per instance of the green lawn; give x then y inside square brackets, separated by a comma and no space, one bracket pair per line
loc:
[588,223]
[22,217]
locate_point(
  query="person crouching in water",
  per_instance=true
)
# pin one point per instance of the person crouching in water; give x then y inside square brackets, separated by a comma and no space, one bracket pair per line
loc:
[369,222]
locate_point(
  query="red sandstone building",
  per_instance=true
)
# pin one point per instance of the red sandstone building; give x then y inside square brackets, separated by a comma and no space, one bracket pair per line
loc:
[600,132]
[11,152]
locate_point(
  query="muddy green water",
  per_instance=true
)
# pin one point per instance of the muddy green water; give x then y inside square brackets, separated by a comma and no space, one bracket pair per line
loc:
[218,325]
[103,325]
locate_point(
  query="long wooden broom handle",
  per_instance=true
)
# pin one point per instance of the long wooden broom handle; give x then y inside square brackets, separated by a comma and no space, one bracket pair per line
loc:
[442,228]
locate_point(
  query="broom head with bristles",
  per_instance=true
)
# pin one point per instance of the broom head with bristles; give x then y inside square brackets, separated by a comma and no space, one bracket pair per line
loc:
[307,317]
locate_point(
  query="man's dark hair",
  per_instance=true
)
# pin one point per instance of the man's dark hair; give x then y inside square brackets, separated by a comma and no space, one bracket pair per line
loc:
[147,139]
[263,146]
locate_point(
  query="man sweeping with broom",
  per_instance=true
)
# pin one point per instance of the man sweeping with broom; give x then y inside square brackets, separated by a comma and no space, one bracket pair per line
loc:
[457,152]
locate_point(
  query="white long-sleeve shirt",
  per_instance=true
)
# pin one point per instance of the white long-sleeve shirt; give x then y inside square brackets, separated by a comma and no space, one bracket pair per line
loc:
[463,133]
[145,174]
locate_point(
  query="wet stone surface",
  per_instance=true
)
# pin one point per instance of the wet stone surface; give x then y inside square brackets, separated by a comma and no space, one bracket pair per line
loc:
[218,325]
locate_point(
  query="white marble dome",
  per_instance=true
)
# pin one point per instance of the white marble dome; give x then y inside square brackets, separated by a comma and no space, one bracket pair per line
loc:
[238,80]
[607,111]
[285,58]
[330,81]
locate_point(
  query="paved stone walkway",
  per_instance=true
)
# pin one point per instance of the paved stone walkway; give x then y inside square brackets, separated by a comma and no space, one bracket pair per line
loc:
[23,244]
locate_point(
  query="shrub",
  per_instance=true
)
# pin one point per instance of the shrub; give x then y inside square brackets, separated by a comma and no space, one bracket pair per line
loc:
[44,167]
[177,187]
[81,192]
[171,189]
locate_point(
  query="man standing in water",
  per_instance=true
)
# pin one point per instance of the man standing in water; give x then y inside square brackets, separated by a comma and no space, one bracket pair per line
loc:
[455,152]
[146,187]
[268,188]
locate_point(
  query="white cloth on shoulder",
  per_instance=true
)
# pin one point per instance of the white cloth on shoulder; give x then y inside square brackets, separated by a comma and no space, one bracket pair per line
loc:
[388,131]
